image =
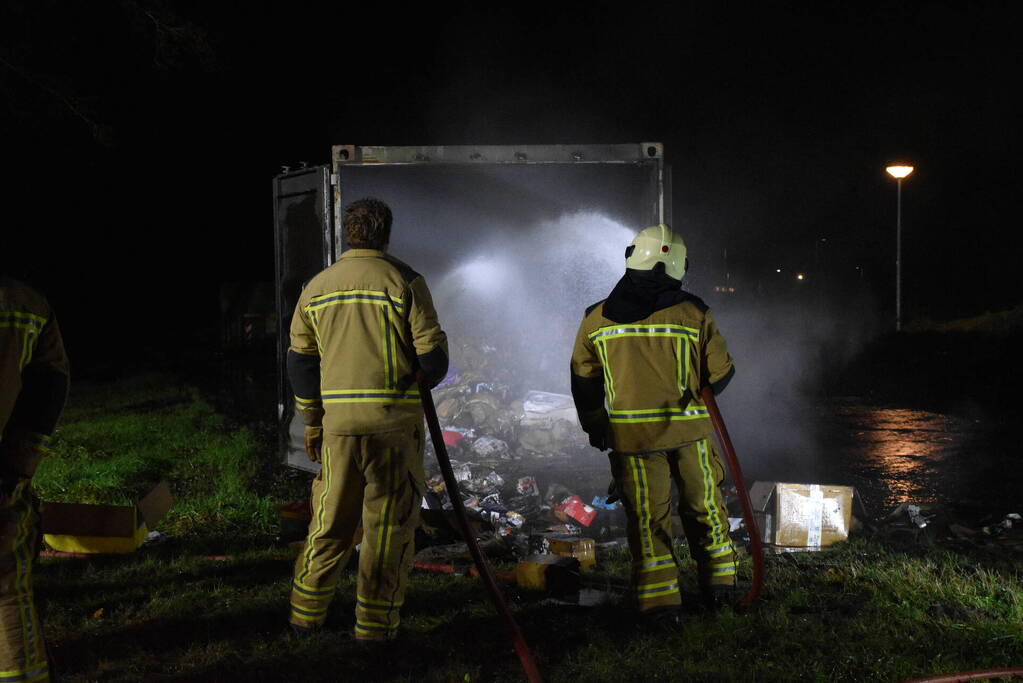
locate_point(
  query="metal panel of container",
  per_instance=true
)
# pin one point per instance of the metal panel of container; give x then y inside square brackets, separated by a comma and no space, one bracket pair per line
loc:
[514,241]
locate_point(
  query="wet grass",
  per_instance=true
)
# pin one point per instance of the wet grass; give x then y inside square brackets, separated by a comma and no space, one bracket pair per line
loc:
[210,603]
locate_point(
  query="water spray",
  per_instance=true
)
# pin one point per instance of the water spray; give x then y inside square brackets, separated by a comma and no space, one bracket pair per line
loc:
[518,640]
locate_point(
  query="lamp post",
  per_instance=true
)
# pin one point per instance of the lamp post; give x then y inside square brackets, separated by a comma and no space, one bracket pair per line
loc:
[899,173]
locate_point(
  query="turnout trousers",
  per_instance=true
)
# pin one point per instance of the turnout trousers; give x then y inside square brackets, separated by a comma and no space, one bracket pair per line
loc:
[376,479]
[22,652]
[644,483]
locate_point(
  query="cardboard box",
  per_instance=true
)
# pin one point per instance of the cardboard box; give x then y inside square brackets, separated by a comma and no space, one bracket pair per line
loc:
[85,528]
[553,573]
[582,549]
[802,516]
[573,508]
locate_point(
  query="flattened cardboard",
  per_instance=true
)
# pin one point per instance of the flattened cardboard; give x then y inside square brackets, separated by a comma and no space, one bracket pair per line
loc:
[86,528]
[156,504]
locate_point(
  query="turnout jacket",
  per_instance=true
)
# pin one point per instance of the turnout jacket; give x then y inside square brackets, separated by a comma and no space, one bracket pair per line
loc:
[361,330]
[649,369]
[33,376]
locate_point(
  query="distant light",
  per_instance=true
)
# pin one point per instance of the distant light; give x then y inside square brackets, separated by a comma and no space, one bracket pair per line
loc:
[800,277]
[899,171]
[778,270]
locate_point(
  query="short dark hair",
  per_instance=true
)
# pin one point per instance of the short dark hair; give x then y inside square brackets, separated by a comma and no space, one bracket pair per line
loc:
[367,224]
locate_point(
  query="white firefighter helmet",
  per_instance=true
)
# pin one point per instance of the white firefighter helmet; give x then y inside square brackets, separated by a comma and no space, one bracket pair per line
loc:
[657,244]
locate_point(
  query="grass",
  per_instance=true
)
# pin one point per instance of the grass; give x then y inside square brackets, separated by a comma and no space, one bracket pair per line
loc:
[117,441]
[210,603]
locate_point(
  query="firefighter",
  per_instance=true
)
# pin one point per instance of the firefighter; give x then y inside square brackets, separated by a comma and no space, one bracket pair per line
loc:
[361,331]
[33,387]
[647,351]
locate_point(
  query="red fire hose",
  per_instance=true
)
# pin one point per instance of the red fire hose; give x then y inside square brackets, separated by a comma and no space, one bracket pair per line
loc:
[521,648]
[757,549]
[971,676]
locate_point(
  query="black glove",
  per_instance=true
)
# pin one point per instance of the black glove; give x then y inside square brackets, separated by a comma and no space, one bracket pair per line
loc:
[598,439]
[597,426]
[613,495]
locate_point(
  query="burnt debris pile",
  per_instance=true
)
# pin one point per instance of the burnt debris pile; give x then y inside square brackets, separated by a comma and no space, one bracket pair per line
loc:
[521,459]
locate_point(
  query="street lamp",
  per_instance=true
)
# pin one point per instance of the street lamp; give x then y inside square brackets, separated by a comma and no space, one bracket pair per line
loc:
[899,173]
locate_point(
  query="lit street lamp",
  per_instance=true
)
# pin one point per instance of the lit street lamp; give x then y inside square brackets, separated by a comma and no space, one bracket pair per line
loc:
[898,172]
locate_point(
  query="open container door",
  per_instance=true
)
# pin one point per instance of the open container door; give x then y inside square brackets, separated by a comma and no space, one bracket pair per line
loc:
[514,242]
[304,245]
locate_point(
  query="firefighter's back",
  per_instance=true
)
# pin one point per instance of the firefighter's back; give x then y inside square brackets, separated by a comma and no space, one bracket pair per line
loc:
[654,368]
[359,311]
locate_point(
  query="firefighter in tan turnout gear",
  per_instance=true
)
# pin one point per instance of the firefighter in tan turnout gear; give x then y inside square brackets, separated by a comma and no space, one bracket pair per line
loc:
[647,350]
[33,387]
[361,331]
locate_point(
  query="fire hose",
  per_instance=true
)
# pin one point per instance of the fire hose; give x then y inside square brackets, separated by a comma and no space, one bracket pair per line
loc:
[757,548]
[971,676]
[519,642]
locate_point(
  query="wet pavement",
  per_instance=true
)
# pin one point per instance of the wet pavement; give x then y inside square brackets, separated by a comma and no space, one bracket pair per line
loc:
[894,455]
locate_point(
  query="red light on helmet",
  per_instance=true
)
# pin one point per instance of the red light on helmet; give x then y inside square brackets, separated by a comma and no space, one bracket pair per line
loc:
[665,248]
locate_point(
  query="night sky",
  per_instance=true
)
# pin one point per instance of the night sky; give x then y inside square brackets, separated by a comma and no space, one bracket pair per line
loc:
[140,138]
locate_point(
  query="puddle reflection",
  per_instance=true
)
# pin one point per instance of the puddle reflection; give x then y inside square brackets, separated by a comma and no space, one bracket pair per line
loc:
[899,455]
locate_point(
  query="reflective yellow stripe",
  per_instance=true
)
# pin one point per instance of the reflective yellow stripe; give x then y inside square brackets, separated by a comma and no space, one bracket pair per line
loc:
[385,396]
[657,415]
[379,603]
[36,672]
[18,325]
[642,487]
[368,292]
[383,346]
[651,330]
[719,550]
[31,635]
[306,402]
[657,589]
[364,627]
[310,619]
[28,345]
[609,381]
[353,296]
[658,563]
[384,532]
[371,400]
[316,328]
[313,592]
[657,559]
[409,392]
[28,341]
[307,568]
[25,315]
[709,486]
[308,611]
[388,396]
[378,610]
